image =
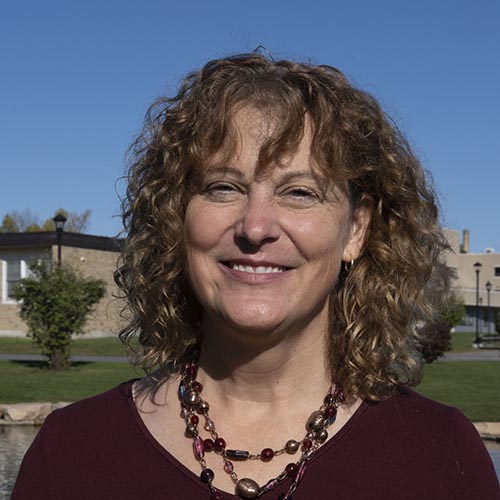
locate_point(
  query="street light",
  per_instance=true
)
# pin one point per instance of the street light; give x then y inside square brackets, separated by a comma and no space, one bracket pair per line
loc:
[59,221]
[477,267]
[488,290]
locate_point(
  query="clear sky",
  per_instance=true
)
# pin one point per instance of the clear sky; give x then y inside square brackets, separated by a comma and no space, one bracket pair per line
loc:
[77,76]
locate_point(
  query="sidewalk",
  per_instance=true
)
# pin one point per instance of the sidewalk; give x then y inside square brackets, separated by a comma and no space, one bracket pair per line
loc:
[478,355]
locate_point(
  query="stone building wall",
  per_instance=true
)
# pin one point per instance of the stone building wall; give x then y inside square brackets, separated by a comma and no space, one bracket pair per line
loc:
[105,318]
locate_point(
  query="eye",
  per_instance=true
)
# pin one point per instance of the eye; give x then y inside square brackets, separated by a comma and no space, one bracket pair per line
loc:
[301,195]
[221,191]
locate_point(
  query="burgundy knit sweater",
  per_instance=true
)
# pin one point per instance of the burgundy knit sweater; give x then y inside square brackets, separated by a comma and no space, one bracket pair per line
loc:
[404,448]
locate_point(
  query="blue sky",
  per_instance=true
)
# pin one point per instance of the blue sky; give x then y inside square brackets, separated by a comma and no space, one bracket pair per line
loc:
[77,77]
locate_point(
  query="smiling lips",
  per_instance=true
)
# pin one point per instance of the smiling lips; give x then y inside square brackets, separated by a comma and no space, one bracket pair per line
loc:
[256,269]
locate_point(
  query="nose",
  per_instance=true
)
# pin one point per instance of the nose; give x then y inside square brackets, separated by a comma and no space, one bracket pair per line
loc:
[258,223]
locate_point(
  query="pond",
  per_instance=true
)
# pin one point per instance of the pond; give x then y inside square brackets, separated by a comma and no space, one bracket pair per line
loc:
[15,440]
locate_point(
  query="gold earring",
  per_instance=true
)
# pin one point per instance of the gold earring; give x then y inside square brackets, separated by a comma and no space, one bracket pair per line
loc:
[348,265]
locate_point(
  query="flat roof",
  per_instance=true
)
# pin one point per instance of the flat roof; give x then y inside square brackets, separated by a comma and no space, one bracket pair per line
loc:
[49,239]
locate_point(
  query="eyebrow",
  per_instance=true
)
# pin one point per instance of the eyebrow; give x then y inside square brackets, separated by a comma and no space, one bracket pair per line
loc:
[224,170]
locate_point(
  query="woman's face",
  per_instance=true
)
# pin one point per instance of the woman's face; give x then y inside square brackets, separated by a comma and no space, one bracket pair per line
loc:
[264,252]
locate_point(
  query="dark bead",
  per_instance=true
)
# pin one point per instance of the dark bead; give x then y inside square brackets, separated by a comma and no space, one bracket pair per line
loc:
[330,412]
[291,469]
[236,454]
[209,444]
[266,455]
[192,371]
[207,475]
[307,444]
[197,386]
[216,495]
[195,420]
[329,399]
[339,394]
[219,444]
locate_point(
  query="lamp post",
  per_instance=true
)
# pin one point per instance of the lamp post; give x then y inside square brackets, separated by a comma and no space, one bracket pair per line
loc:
[477,267]
[488,290]
[59,221]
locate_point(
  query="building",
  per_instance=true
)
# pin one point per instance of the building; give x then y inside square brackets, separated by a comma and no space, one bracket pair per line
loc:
[92,256]
[474,271]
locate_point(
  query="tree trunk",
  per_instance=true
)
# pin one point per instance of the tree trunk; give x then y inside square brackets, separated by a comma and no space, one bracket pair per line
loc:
[59,360]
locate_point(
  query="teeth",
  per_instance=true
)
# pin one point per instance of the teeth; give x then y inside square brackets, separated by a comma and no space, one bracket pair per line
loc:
[257,270]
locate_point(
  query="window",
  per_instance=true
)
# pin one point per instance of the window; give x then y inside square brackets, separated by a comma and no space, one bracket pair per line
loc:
[14,275]
[497,272]
[13,272]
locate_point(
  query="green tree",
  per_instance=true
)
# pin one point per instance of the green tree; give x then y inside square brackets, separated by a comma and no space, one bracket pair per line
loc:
[55,303]
[25,221]
[435,337]
[9,225]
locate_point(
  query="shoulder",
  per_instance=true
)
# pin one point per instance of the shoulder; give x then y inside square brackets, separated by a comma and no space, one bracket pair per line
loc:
[92,414]
[416,411]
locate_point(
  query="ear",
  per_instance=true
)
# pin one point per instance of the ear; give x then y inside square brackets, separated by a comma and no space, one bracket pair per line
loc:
[360,222]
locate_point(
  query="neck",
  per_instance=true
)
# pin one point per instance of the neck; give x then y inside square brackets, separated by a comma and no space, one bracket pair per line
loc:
[268,369]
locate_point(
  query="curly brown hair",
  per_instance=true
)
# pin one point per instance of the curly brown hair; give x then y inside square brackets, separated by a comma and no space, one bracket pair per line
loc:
[377,304]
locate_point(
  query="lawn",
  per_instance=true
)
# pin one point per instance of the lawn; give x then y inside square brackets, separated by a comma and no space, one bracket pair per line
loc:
[471,386]
[26,382]
[106,346]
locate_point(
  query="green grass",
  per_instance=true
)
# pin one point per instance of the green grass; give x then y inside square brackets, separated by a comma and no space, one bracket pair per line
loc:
[471,386]
[107,346]
[461,342]
[26,382]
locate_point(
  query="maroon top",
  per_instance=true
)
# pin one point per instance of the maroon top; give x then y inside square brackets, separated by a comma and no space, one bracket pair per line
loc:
[406,447]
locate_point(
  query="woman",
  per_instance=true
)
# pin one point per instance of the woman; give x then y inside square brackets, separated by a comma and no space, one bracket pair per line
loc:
[280,239]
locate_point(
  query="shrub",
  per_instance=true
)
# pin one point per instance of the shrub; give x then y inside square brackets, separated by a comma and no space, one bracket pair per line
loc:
[54,304]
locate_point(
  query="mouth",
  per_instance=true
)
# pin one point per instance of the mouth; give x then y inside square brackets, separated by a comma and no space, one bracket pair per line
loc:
[256,269]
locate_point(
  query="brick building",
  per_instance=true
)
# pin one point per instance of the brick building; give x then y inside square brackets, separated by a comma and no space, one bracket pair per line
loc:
[466,266]
[92,256]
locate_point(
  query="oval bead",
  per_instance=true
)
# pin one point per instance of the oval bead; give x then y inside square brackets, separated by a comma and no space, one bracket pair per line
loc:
[228,466]
[316,421]
[237,454]
[190,398]
[198,448]
[247,488]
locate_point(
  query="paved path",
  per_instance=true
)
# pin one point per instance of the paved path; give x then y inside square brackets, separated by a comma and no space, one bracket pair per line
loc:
[461,356]
[472,356]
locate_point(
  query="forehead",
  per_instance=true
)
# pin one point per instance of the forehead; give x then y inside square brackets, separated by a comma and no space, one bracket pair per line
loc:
[254,136]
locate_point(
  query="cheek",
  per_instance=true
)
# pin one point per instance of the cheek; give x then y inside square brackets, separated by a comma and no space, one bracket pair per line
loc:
[322,239]
[200,229]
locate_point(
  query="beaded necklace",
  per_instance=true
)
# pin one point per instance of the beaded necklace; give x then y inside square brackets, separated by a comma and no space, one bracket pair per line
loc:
[193,406]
